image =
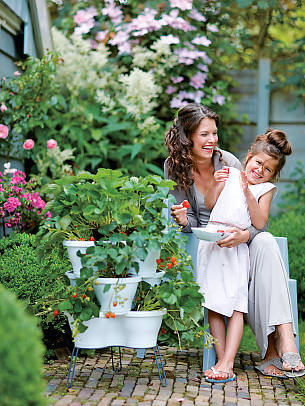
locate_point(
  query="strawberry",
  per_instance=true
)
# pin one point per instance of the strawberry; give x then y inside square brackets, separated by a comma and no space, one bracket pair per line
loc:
[159,260]
[185,204]
[91,239]
[114,304]
[74,295]
[80,239]
[112,315]
[83,296]
[163,331]
[173,260]
[55,313]
[169,265]
[107,315]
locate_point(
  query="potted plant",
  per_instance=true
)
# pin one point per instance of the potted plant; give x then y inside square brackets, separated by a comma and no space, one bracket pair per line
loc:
[87,208]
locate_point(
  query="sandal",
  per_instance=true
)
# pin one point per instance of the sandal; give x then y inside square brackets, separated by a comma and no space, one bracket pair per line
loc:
[292,359]
[229,378]
[275,362]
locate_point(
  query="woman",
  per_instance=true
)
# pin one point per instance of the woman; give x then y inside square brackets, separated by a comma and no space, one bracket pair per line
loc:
[193,159]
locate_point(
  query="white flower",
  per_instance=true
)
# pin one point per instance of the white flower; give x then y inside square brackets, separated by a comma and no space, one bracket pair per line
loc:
[140,91]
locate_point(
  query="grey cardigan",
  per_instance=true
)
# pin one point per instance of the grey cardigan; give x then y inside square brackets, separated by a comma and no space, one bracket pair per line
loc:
[225,159]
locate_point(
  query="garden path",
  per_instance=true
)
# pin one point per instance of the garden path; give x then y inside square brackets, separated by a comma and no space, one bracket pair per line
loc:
[138,382]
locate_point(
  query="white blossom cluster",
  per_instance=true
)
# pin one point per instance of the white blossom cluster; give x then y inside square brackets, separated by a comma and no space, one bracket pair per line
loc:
[83,66]
[140,92]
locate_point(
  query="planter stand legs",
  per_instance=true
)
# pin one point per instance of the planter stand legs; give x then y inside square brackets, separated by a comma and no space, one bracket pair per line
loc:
[120,361]
[162,379]
[71,372]
[157,353]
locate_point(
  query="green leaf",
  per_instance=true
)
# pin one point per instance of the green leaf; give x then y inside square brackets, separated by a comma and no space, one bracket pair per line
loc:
[64,306]
[65,222]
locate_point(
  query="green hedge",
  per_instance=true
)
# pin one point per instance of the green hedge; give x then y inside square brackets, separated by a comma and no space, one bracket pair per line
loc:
[292,226]
[31,280]
[20,354]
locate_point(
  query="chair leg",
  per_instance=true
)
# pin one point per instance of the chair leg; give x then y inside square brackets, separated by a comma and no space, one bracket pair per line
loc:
[141,352]
[71,372]
[209,354]
[163,379]
[292,283]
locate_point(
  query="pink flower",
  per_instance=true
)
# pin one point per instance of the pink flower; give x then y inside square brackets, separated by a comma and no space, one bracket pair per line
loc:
[51,144]
[3,131]
[169,39]
[177,80]
[16,73]
[11,204]
[3,107]
[3,78]
[170,89]
[198,80]
[28,144]
[201,41]
[182,4]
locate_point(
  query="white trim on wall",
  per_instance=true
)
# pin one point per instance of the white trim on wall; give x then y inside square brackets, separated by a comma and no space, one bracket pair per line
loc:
[9,20]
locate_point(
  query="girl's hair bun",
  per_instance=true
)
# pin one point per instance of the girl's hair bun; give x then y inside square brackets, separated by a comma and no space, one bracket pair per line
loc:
[279,140]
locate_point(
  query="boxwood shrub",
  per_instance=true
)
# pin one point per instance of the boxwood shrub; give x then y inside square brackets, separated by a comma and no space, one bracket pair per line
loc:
[292,225]
[21,353]
[30,279]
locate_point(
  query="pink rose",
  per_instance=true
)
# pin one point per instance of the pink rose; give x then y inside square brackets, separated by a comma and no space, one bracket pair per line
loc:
[3,107]
[3,131]
[28,144]
[16,73]
[51,144]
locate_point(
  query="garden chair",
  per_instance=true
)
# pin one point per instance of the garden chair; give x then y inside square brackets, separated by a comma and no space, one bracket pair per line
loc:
[209,354]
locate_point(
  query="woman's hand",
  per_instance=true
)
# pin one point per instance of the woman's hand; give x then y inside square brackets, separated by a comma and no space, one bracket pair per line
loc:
[236,237]
[179,214]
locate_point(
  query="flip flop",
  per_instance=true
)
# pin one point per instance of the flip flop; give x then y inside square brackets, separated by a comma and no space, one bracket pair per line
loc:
[275,362]
[215,371]
[292,359]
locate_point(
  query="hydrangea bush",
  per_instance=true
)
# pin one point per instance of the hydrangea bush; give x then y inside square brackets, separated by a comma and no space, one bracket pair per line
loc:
[20,205]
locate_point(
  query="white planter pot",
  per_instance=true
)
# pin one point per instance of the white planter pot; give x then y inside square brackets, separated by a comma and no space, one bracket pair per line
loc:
[122,292]
[155,279]
[73,247]
[133,329]
[148,267]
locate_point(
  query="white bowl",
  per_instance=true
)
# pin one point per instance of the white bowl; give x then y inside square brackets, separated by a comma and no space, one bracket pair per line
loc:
[202,234]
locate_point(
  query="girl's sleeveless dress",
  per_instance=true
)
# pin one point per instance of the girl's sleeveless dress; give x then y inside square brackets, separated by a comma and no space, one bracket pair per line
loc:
[223,273]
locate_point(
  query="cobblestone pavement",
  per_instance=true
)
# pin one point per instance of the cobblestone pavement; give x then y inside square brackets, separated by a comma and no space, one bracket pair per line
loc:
[138,382]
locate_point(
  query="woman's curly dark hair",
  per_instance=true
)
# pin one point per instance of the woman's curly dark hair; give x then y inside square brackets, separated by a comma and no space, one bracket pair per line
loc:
[179,144]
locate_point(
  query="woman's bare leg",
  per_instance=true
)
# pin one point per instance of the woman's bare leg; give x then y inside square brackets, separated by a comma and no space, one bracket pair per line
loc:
[286,343]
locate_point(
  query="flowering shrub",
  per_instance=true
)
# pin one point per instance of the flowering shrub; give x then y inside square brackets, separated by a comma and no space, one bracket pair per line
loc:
[126,68]
[20,205]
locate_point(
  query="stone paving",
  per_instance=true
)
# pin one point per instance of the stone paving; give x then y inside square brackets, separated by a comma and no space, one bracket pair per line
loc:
[138,382]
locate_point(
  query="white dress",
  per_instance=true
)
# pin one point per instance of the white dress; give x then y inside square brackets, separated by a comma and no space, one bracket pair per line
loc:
[223,273]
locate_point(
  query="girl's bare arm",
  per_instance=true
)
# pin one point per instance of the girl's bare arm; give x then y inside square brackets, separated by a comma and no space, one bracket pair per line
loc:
[259,211]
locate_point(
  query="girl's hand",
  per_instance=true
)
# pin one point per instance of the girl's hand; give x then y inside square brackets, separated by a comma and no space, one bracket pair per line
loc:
[244,181]
[179,214]
[222,174]
[236,237]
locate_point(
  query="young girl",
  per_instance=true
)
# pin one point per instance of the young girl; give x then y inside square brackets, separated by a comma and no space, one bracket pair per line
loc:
[238,199]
